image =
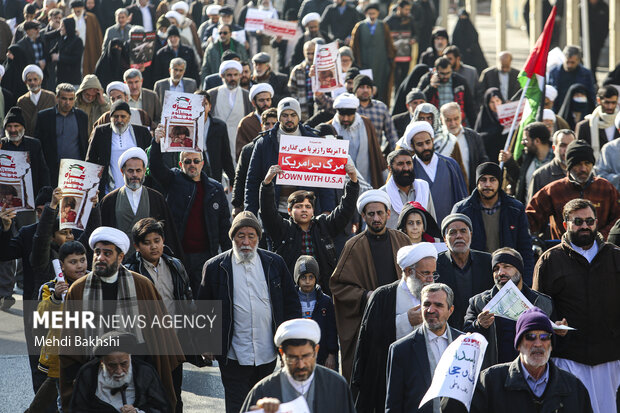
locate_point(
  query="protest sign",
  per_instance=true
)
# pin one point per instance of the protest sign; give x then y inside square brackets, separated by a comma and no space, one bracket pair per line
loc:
[299,405]
[255,19]
[16,181]
[506,114]
[402,44]
[79,182]
[312,161]
[457,372]
[280,28]
[183,118]
[141,49]
[327,68]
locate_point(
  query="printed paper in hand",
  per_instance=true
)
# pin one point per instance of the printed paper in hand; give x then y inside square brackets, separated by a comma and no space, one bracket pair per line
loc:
[79,182]
[141,49]
[315,162]
[509,302]
[506,114]
[255,19]
[183,118]
[327,68]
[457,372]
[16,181]
[280,28]
[299,405]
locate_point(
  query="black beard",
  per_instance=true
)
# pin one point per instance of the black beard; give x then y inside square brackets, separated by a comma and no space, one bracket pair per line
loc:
[425,156]
[403,178]
[484,196]
[581,239]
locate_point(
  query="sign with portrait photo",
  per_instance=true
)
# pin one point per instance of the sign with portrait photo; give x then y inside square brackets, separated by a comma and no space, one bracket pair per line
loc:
[183,118]
[141,49]
[16,181]
[79,182]
[327,68]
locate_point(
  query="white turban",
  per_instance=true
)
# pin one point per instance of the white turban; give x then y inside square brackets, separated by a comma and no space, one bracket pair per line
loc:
[135,152]
[374,195]
[346,101]
[310,17]
[175,15]
[298,328]
[410,254]
[260,88]
[1,70]
[120,86]
[213,9]
[230,64]
[548,114]
[180,5]
[413,129]
[109,234]
[550,92]
[32,69]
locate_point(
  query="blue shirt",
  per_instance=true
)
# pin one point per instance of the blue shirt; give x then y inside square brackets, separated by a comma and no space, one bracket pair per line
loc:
[537,386]
[67,142]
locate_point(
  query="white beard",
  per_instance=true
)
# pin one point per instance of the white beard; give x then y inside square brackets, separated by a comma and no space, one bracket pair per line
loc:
[119,131]
[415,285]
[243,256]
[108,381]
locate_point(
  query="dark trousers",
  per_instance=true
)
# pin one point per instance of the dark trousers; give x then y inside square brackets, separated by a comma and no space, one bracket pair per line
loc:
[177,382]
[238,381]
[194,263]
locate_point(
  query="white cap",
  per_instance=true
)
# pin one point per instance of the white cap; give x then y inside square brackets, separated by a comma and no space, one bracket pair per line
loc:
[298,328]
[109,234]
[346,101]
[310,17]
[260,88]
[116,85]
[550,92]
[373,195]
[31,69]
[180,6]
[413,129]
[213,9]
[548,114]
[135,152]
[230,64]
[410,254]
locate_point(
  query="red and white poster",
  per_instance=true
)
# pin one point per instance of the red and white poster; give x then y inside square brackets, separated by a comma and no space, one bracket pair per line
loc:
[255,19]
[16,181]
[280,28]
[506,113]
[309,161]
[327,68]
[183,117]
[79,182]
[141,49]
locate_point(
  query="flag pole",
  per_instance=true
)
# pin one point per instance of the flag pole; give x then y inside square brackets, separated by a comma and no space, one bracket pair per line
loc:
[514,120]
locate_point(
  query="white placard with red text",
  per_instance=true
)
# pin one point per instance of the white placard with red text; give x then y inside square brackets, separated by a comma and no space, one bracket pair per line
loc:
[307,161]
[183,117]
[280,28]
[79,182]
[16,189]
[327,68]
[506,113]
[255,19]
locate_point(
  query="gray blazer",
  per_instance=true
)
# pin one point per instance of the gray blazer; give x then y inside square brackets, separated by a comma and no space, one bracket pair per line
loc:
[114,32]
[151,105]
[189,86]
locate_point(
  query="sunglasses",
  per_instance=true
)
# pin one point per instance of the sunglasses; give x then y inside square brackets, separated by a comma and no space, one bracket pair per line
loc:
[189,161]
[541,336]
[579,221]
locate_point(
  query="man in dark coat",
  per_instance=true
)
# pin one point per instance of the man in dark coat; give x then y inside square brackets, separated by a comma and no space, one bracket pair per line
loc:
[136,15]
[263,73]
[339,19]
[507,264]
[490,77]
[392,312]
[62,127]
[119,133]
[174,48]
[251,311]
[498,220]
[413,99]
[289,236]
[466,271]
[327,391]
[438,42]
[411,364]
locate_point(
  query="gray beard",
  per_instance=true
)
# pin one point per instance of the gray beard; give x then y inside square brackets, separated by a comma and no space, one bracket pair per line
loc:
[415,286]
[18,137]
[117,130]
[243,256]
[132,185]
[108,381]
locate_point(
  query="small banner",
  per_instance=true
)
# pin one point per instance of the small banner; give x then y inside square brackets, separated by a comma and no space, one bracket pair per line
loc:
[402,44]
[16,181]
[506,113]
[280,28]
[141,49]
[317,162]
[79,182]
[184,120]
[255,19]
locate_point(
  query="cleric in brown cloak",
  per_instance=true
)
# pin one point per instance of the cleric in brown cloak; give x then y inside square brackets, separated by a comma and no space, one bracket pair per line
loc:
[88,29]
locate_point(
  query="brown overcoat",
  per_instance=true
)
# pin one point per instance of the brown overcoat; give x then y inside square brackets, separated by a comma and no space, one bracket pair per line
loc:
[92,46]
[30,111]
[248,129]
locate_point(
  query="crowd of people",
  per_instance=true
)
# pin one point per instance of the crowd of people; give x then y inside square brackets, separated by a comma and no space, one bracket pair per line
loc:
[345,297]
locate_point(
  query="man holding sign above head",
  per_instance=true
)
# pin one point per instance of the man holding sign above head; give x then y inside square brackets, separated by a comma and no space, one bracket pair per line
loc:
[499,331]
[363,142]
[367,262]
[304,233]
[531,382]
[392,313]
[412,360]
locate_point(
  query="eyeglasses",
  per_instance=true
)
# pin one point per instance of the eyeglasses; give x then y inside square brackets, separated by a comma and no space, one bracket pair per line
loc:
[541,336]
[189,161]
[224,32]
[579,221]
[293,360]
[434,275]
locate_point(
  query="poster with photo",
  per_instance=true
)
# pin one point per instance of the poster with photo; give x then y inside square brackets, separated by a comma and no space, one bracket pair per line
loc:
[79,182]
[16,181]
[402,44]
[141,49]
[328,68]
[184,119]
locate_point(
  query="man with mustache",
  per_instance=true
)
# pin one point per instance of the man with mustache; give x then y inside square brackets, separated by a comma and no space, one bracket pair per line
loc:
[403,187]
[581,276]
[363,142]
[412,360]
[108,143]
[466,271]
[393,311]
[507,265]
[125,206]
[532,381]
[36,99]
[498,220]
[546,205]
[261,97]
[443,174]
[257,294]
[375,110]
[368,261]
[323,389]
